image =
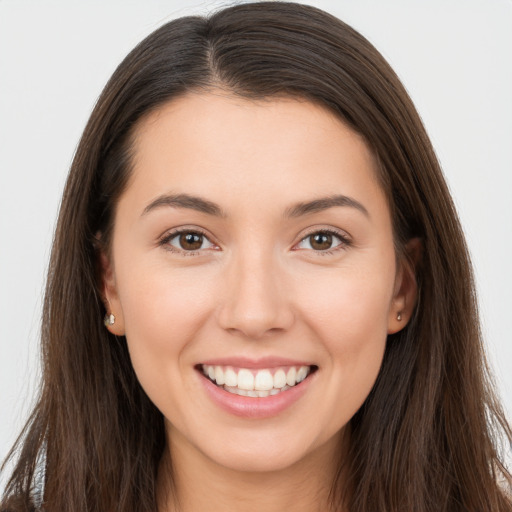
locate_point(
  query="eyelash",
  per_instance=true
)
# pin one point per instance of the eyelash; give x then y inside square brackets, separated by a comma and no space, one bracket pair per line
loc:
[345,242]
[166,239]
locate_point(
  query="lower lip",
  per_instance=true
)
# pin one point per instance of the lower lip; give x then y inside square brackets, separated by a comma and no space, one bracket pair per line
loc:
[257,407]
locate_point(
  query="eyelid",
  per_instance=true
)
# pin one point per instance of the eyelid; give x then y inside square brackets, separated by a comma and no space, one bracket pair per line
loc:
[164,240]
[343,236]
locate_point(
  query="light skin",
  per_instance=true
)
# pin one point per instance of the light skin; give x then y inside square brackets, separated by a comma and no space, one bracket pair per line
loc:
[273,272]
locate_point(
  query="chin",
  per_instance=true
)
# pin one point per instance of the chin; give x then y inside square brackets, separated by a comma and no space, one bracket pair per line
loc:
[259,452]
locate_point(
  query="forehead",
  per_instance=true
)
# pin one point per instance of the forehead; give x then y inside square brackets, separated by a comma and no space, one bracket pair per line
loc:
[223,147]
[217,115]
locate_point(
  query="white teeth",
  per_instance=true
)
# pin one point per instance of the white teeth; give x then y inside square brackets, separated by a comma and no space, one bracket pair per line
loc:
[230,378]
[255,383]
[302,374]
[279,379]
[245,380]
[254,393]
[263,381]
[219,376]
[290,376]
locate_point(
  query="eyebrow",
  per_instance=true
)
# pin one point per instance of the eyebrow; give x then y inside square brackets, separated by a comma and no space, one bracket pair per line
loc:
[185,201]
[324,203]
[210,208]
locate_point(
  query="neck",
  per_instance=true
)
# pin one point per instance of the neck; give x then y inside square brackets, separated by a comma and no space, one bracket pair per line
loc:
[194,483]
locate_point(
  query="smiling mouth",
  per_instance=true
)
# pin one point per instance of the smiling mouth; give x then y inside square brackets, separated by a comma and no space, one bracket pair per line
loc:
[256,383]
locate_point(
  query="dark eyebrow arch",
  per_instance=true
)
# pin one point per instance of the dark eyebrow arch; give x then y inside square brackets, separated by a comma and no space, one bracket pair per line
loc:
[324,203]
[185,201]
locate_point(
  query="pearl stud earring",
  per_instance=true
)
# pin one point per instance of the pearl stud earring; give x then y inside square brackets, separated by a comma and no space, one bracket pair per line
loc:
[109,320]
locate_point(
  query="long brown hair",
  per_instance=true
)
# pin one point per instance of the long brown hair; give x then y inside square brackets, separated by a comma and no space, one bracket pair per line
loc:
[428,436]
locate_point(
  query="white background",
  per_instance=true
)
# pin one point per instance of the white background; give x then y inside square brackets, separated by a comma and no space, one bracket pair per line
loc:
[454,57]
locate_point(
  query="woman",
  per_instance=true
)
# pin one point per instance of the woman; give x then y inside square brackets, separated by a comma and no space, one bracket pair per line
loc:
[259,295]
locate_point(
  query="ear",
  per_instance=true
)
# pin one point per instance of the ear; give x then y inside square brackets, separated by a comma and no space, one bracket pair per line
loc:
[406,287]
[110,296]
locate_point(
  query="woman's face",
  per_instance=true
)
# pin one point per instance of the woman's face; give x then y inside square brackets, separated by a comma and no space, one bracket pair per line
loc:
[252,248]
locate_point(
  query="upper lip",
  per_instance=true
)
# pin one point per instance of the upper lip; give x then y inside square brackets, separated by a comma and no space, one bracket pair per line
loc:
[263,362]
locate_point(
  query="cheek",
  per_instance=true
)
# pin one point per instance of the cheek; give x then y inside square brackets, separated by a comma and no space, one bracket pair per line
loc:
[348,314]
[163,305]
[162,313]
[349,303]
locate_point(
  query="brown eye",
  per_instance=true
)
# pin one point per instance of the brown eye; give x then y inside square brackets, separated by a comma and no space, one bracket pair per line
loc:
[320,241]
[189,241]
[323,241]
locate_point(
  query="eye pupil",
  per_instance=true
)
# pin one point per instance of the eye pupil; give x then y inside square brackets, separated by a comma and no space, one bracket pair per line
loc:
[191,241]
[321,241]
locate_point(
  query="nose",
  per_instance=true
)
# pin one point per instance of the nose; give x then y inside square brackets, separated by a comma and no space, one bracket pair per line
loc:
[255,301]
